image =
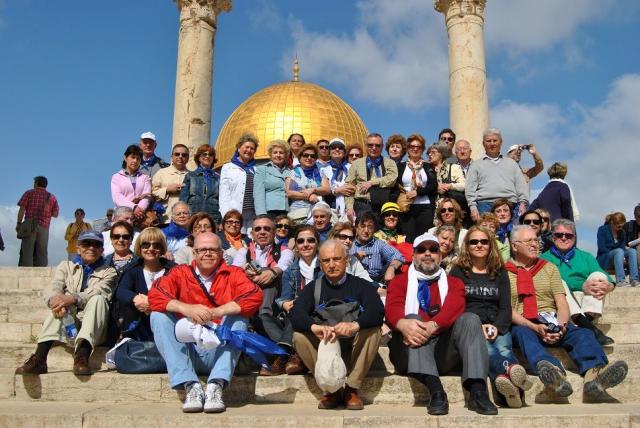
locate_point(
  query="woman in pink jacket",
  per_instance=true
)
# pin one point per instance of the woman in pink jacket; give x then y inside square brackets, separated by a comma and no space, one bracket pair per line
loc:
[130,187]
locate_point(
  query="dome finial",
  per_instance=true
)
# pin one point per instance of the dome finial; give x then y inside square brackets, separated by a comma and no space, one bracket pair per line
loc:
[296,69]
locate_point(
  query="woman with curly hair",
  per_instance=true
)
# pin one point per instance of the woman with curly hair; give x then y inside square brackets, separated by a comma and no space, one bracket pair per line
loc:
[488,295]
[448,212]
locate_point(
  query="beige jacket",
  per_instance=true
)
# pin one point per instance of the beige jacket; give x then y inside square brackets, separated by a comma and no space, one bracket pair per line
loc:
[358,175]
[159,183]
[68,280]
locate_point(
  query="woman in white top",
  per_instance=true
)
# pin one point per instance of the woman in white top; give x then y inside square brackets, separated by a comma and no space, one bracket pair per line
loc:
[448,212]
[336,172]
[305,185]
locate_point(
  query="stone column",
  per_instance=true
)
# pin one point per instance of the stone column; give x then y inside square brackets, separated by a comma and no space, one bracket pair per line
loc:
[192,111]
[468,101]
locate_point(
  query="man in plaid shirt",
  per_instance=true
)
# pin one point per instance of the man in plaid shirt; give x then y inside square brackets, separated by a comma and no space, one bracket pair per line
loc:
[40,204]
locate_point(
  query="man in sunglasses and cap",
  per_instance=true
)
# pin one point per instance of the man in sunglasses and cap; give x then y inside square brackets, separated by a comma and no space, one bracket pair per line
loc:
[82,289]
[433,333]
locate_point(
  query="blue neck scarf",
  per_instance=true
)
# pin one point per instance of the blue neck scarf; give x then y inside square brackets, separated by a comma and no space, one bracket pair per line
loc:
[282,242]
[564,258]
[175,232]
[207,173]
[150,162]
[87,270]
[375,163]
[424,293]
[248,168]
[339,170]
[313,174]
[503,232]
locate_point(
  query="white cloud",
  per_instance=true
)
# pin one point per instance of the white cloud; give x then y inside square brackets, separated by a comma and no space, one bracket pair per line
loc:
[10,255]
[264,15]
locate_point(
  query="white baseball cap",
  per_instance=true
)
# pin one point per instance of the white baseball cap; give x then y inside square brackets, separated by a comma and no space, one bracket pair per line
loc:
[424,237]
[148,135]
[514,147]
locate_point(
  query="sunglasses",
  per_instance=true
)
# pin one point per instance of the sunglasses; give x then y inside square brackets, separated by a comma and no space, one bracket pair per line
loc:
[206,155]
[559,235]
[201,251]
[117,236]
[478,241]
[308,155]
[301,241]
[432,248]
[445,210]
[232,221]
[323,147]
[283,226]
[415,147]
[343,237]
[391,214]
[182,155]
[337,146]
[374,146]
[91,244]
[261,228]
[532,221]
[450,139]
[152,245]
[355,155]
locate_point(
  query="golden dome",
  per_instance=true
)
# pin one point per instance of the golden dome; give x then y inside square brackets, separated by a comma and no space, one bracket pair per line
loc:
[280,110]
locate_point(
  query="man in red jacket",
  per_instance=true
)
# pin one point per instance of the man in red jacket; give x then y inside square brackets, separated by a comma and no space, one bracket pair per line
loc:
[207,290]
[426,307]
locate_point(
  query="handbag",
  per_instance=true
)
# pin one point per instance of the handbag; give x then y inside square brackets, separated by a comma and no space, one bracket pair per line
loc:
[335,310]
[136,357]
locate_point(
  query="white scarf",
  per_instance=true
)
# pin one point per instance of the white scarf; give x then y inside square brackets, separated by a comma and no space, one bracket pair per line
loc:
[574,206]
[411,304]
[307,270]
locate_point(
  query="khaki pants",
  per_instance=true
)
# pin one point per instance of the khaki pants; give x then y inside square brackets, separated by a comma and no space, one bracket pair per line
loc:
[358,352]
[33,250]
[580,303]
[93,324]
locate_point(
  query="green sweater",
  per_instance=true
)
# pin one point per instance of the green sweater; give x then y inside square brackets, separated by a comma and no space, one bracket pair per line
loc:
[582,264]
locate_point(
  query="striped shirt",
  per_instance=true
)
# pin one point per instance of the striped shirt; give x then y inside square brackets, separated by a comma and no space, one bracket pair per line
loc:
[378,256]
[547,283]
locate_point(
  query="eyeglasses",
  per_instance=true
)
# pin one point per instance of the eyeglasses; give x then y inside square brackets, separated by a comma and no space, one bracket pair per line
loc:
[343,237]
[308,155]
[283,226]
[478,241]
[181,155]
[232,221]
[450,139]
[202,227]
[261,228]
[201,251]
[206,155]
[152,245]
[415,147]
[530,242]
[532,221]
[301,241]
[374,146]
[447,210]
[355,155]
[432,248]
[91,244]
[560,235]
[117,236]
[323,147]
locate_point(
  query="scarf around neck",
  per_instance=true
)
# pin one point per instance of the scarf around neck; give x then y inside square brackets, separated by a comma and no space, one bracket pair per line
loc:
[412,304]
[249,168]
[503,232]
[525,286]
[87,269]
[234,241]
[174,231]
[564,257]
[339,170]
[375,163]
[312,174]
[149,162]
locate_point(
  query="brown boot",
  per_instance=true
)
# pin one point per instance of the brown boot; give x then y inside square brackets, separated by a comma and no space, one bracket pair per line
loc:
[277,367]
[295,365]
[351,399]
[33,365]
[330,401]
[81,365]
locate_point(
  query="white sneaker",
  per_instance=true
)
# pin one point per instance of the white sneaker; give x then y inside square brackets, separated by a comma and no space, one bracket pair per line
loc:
[213,399]
[194,398]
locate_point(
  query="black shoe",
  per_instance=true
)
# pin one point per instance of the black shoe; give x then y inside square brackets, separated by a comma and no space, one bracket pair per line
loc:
[480,403]
[438,403]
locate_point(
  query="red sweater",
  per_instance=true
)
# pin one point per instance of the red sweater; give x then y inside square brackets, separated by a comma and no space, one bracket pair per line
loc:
[229,284]
[449,312]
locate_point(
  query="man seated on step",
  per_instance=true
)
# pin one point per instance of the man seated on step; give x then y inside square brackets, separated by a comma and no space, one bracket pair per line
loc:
[585,282]
[207,290]
[359,339]
[81,288]
[541,319]
[432,333]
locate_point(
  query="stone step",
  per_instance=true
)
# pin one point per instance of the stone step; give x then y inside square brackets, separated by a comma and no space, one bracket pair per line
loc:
[12,296]
[620,315]
[622,333]
[624,297]
[99,415]
[378,388]
[13,354]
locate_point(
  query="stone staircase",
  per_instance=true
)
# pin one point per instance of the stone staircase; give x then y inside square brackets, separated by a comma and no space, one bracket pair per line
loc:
[109,399]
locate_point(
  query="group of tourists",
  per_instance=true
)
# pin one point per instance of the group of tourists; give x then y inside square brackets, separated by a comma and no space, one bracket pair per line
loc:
[328,251]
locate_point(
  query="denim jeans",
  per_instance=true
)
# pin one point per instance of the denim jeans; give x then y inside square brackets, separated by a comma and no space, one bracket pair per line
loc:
[185,360]
[580,344]
[616,257]
[500,355]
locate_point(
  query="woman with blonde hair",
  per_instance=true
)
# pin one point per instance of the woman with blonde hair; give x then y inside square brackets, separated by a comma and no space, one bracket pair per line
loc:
[612,250]
[449,213]
[488,295]
[268,184]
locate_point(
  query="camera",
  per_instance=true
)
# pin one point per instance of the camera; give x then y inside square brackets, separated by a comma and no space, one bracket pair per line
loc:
[550,320]
[525,147]
[553,328]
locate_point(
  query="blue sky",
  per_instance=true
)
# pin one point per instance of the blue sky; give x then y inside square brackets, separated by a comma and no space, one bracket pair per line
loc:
[80,82]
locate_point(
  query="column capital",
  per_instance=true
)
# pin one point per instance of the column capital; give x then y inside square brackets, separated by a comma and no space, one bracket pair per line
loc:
[460,8]
[203,10]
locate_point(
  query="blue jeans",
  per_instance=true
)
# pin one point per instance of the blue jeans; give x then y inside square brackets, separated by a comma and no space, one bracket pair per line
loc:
[580,344]
[616,257]
[500,355]
[185,360]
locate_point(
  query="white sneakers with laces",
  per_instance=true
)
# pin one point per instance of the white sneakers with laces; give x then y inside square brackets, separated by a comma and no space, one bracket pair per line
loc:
[194,398]
[213,399]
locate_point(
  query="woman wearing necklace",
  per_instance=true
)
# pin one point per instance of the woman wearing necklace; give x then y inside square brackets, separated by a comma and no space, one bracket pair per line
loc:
[121,235]
[131,304]
[305,185]
[418,180]
[488,295]
[200,188]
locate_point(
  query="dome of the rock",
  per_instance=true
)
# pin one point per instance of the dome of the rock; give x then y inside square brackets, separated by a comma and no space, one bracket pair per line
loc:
[284,108]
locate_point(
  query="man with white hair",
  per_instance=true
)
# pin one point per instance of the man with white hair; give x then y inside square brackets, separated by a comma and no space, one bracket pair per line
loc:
[494,177]
[177,231]
[541,318]
[462,150]
[586,283]
[321,219]
[425,308]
